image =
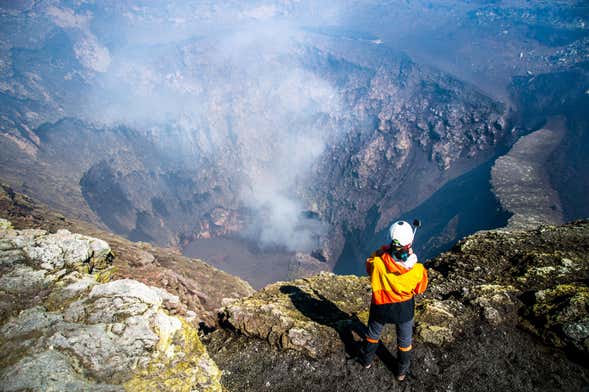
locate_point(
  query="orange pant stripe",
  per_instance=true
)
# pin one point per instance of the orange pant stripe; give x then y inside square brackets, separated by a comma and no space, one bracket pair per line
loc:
[405,348]
[372,340]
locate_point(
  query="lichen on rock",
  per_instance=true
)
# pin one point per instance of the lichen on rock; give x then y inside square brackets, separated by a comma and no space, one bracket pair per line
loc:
[439,322]
[562,315]
[305,315]
[182,364]
[536,279]
[69,330]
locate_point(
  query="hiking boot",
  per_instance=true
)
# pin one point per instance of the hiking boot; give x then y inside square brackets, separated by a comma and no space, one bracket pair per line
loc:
[365,364]
[367,354]
[404,358]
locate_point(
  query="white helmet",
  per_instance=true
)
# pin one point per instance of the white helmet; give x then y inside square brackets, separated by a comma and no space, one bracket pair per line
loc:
[401,233]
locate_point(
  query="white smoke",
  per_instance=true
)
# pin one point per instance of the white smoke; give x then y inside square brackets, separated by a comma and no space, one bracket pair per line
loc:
[279,132]
[242,93]
[88,50]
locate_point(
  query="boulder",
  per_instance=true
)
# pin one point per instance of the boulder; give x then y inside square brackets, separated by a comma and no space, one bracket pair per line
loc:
[62,329]
[306,315]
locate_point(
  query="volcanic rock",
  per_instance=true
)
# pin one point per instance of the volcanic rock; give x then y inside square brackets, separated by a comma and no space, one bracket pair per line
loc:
[61,329]
[501,307]
[521,182]
[303,314]
[199,286]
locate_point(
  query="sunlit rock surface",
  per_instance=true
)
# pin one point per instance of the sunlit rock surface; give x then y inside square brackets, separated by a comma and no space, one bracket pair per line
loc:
[501,308]
[200,287]
[536,278]
[62,328]
[302,314]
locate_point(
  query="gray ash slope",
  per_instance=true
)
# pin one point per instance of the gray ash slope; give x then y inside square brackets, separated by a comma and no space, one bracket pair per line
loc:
[562,93]
[521,181]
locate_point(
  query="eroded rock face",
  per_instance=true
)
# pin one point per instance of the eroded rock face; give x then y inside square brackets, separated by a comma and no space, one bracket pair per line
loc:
[63,328]
[366,122]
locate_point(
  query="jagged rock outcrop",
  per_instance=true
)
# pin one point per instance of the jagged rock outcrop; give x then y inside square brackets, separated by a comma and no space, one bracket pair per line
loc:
[65,326]
[501,307]
[200,287]
[536,279]
[303,314]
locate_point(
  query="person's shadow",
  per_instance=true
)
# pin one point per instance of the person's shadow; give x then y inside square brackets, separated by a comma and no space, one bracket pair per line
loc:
[323,311]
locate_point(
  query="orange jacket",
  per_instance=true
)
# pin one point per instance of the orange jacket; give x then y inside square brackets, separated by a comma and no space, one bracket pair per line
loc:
[392,282]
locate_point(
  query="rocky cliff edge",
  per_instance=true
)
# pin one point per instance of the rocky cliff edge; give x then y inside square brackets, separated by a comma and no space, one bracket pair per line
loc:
[504,309]
[199,286]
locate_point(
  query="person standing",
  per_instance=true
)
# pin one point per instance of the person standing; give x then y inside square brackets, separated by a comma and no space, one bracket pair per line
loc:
[396,277]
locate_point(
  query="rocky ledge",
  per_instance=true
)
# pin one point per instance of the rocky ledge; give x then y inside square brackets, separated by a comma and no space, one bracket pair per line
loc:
[200,287]
[303,314]
[536,280]
[505,310]
[64,326]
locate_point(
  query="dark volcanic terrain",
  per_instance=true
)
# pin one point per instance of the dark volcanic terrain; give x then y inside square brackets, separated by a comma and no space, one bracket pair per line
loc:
[278,140]
[505,310]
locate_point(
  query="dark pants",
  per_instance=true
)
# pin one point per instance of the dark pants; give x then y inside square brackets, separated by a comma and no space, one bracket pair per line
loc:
[404,340]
